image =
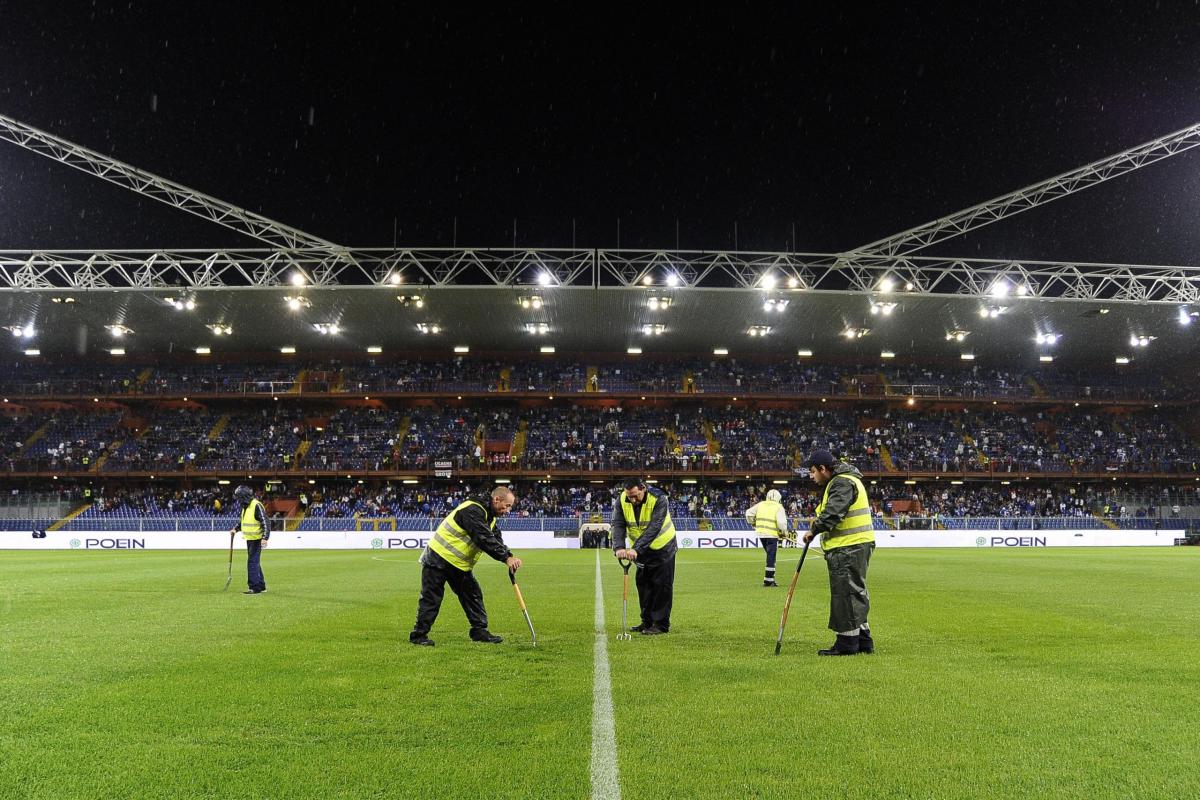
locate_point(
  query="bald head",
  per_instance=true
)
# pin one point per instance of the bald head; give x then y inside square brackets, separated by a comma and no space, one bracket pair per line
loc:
[502,500]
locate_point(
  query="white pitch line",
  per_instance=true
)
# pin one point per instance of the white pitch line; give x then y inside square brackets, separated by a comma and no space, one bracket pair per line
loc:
[606,783]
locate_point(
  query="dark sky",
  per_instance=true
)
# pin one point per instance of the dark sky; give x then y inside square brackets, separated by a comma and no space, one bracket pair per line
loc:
[847,125]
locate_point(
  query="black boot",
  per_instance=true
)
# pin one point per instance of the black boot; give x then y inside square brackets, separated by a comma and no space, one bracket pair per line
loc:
[769,582]
[865,643]
[844,646]
[484,635]
[421,640]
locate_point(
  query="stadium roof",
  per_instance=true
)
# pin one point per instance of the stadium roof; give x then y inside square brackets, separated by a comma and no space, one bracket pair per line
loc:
[316,296]
[523,319]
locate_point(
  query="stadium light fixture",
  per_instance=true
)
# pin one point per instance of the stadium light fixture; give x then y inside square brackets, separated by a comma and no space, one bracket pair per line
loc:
[547,349]
[462,348]
[768,281]
[117,351]
[531,302]
[544,279]
[886,285]
[1045,359]
[62,299]
[804,353]
[887,354]
[720,351]
[1123,359]
[220,329]
[1022,290]
[653,330]
[395,279]
[957,336]
[688,480]
[327,328]
[647,280]
[1000,288]
[1048,338]
[375,349]
[855,333]
[793,282]
[774,304]
[672,280]
[33,352]
[118,331]
[287,351]
[203,351]
[758,330]
[21,331]
[656,303]
[1141,341]
[1186,315]
[297,303]
[298,279]
[886,308]
[967,356]
[633,351]
[912,401]
[537,328]
[991,312]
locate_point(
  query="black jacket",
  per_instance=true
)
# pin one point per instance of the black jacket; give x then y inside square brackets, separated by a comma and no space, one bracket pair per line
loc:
[653,529]
[476,522]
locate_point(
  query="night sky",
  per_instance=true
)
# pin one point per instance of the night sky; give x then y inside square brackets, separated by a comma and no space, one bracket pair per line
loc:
[358,124]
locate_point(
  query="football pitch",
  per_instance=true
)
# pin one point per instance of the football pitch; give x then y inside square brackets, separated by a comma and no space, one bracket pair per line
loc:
[1029,673]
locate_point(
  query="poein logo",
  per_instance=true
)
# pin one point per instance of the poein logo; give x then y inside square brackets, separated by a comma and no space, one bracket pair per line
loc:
[377,544]
[981,542]
[75,543]
[687,542]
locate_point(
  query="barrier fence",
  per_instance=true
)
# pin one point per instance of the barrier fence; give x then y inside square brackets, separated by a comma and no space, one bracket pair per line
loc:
[427,523]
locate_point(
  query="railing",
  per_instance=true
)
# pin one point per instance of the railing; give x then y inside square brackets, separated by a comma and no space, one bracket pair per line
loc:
[426,523]
[596,468]
[487,385]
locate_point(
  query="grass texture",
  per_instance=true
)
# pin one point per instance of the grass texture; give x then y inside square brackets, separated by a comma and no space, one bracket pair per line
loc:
[1030,673]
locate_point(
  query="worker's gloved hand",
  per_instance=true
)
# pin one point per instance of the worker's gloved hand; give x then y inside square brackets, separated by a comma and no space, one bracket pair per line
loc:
[513,563]
[808,537]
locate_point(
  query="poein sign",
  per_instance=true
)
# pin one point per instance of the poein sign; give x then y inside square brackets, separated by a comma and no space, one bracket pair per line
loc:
[114,544]
[1017,541]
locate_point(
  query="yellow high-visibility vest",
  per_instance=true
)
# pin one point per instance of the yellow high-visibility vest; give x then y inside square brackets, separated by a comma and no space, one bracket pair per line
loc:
[452,543]
[765,522]
[857,526]
[251,527]
[635,526]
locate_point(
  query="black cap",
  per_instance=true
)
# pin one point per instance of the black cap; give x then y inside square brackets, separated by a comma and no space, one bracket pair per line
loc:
[820,458]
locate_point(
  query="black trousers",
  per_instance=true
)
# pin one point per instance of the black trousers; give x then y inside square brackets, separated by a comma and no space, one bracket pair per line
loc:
[771,545]
[254,574]
[849,601]
[433,588]
[656,589]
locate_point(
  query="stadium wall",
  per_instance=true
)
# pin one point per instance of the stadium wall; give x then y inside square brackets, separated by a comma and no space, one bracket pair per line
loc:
[545,540]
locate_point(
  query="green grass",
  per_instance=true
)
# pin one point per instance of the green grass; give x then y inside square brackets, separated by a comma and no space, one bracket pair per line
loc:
[1000,673]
